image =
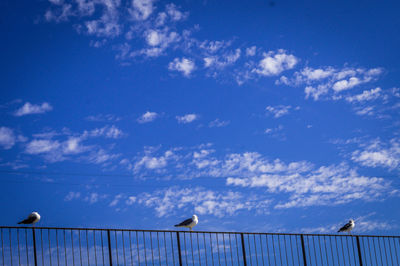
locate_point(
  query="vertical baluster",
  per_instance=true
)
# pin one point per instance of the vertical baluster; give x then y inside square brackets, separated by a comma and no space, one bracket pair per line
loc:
[110,260]
[58,255]
[303,249]
[178,240]
[165,250]
[102,246]
[65,249]
[95,247]
[223,240]
[137,246]
[151,247]
[123,246]
[198,248]
[172,248]
[130,247]
[72,246]
[26,247]
[243,250]
[11,254]
[230,247]
[116,246]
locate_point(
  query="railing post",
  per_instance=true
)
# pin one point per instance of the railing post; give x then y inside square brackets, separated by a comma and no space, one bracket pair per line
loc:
[243,250]
[179,248]
[303,249]
[109,247]
[359,251]
[34,245]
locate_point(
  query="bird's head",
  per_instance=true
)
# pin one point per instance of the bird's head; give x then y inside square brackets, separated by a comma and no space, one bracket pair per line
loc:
[351,221]
[36,214]
[194,217]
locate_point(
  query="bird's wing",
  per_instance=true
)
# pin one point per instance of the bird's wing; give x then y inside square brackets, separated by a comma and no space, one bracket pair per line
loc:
[345,227]
[186,222]
[28,220]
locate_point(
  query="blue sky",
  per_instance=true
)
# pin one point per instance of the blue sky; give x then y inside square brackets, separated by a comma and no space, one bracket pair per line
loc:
[279,116]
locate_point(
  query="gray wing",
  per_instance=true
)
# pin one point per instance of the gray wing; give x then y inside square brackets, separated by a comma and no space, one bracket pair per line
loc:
[28,220]
[185,223]
[345,227]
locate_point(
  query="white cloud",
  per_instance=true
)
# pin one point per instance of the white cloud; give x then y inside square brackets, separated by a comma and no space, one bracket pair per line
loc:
[147,117]
[152,162]
[72,195]
[184,65]
[221,61]
[108,24]
[298,183]
[327,185]
[102,157]
[111,132]
[379,154]
[329,81]
[218,123]
[188,118]
[279,110]
[311,74]
[275,63]
[7,138]
[131,200]
[103,118]
[368,110]
[29,108]
[141,9]
[366,95]
[116,200]
[92,198]
[41,146]
[346,84]
[200,201]
[174,13]
[251,51]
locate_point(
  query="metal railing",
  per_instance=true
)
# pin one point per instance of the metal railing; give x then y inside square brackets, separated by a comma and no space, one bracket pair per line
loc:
[90,246]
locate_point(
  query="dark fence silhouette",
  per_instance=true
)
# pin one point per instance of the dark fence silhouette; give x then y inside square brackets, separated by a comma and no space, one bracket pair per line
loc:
[84,246]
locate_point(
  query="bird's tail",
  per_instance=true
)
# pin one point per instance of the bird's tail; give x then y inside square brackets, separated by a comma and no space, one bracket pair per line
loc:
[177,225]
[20,222]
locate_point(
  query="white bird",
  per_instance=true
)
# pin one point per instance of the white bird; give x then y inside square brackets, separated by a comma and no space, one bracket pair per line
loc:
[347,227]
[34,217]
[189,223]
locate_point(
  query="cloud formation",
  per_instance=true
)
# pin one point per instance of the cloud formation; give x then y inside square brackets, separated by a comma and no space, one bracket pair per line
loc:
[28,109]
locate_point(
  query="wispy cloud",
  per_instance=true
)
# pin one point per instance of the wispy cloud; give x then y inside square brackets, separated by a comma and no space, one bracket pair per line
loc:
[28,109]
[103,118]
[147,117]
[275,63]
[188,118]
[378,154]
[279,110]
[218,123]
[72,195]
[200,201]
[183,65]
[329,82]
[7,138]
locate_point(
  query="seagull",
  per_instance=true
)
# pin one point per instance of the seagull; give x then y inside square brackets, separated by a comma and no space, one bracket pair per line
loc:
[347,227]
[33,218]
[189,223]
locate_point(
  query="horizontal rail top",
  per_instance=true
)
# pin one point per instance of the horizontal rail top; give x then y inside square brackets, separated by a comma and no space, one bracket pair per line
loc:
[194,232]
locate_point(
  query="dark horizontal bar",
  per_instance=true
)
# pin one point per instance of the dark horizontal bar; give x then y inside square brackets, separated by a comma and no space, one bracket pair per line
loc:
[194,232]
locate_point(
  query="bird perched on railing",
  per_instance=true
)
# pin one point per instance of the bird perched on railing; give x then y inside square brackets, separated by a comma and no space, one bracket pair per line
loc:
[347,227]
[189,223]
[33,218]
